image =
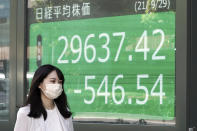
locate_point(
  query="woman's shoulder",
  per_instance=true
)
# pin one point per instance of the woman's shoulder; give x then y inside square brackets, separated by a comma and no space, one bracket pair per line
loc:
[22,115]
[24,110]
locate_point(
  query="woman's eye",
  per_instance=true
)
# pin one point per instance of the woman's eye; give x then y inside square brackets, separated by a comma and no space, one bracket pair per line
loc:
[60,82]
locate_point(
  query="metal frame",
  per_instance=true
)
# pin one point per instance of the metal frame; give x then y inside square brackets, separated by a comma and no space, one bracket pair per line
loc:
[21,53]
[192,82]
[182,67]
[20,56]
[12,63]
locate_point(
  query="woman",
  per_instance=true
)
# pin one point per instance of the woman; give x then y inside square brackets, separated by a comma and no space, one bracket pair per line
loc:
[46,108]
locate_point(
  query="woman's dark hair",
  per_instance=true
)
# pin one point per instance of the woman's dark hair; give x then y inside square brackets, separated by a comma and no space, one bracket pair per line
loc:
[34,98]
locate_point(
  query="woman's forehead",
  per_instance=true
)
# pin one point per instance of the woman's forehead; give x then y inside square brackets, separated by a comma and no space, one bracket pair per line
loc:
[53,75]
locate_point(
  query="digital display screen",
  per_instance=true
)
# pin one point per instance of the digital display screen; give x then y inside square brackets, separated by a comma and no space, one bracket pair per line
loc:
[117,57]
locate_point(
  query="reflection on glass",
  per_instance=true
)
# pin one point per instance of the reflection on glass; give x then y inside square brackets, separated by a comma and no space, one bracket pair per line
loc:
[118,57]
[4,58]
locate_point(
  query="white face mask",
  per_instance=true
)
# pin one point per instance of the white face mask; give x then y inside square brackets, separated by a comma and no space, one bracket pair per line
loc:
[53,91]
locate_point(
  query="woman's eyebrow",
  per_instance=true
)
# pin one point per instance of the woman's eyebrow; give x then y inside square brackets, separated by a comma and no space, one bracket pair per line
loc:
[52,78]
[55,79]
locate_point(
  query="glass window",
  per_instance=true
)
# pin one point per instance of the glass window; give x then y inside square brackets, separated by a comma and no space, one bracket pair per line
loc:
[118,56]
[4,58]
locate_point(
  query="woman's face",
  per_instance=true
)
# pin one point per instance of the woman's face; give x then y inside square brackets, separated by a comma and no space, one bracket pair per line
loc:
[52,78]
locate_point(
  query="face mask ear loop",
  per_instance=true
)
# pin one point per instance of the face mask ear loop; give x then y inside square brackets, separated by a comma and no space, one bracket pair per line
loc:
[41,90]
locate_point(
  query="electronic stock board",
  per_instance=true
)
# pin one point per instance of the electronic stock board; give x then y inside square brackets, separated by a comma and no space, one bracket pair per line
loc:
[117,56]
